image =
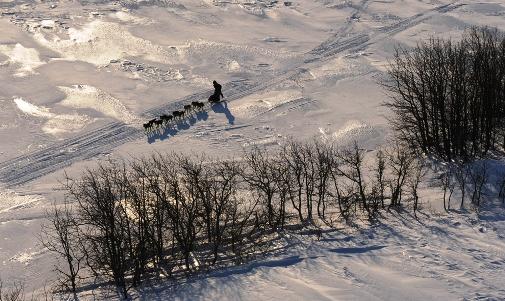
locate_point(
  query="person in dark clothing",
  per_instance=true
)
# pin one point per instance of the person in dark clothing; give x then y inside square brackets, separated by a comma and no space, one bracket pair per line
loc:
[216,97]
[217,90]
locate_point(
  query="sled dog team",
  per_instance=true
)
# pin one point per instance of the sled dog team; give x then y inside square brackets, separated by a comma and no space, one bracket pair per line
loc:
[165,120]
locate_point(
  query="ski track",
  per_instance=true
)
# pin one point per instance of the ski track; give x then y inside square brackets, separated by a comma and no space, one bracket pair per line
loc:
[28,167]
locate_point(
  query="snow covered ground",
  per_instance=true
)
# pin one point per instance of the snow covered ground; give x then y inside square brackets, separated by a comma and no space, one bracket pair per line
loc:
[437,258]
[78,78]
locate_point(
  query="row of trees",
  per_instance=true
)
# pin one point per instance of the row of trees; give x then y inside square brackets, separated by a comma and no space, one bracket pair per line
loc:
[448,98]
[173,214]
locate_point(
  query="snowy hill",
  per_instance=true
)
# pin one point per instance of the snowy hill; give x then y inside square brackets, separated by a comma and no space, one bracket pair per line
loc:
[78,79]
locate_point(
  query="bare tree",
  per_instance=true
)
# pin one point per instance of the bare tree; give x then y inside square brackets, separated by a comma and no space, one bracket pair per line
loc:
[479,175]
[344,188]
[380,180]
[134,219]
[351,167]
[290,153]
[501,188]
[282,182]
[447,183]
[185,207]
[323,165]
[101,207]
[223,195]
[418,172]
[461,175]
[309,172]
[151,198]
[344,193]
[262,177]
[62,237]
[400,161]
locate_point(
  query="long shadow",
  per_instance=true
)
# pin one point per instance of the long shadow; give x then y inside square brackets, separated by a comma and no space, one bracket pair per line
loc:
[164,292]
[172,130]
[356,250]
[222,107]
[338,239]
[285,262]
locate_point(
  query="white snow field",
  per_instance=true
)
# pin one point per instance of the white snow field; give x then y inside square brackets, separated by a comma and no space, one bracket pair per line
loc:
[78,79]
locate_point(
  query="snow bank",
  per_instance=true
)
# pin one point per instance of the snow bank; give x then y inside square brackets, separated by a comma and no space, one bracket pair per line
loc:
[127,17]
[88,97]
[257,104]
[352,130]
[340,65]
[99,42]
[27,58]
[33,110]
[9,200]
[55,124]
[29,255]
[214,49]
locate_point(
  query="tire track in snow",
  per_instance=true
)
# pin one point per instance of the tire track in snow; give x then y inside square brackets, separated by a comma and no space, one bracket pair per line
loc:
[336,38]
[25,168]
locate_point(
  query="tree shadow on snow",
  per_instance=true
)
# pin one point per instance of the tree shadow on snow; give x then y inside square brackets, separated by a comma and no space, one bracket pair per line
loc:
[191,289]
[284,262]
[356,250]
[187,286]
